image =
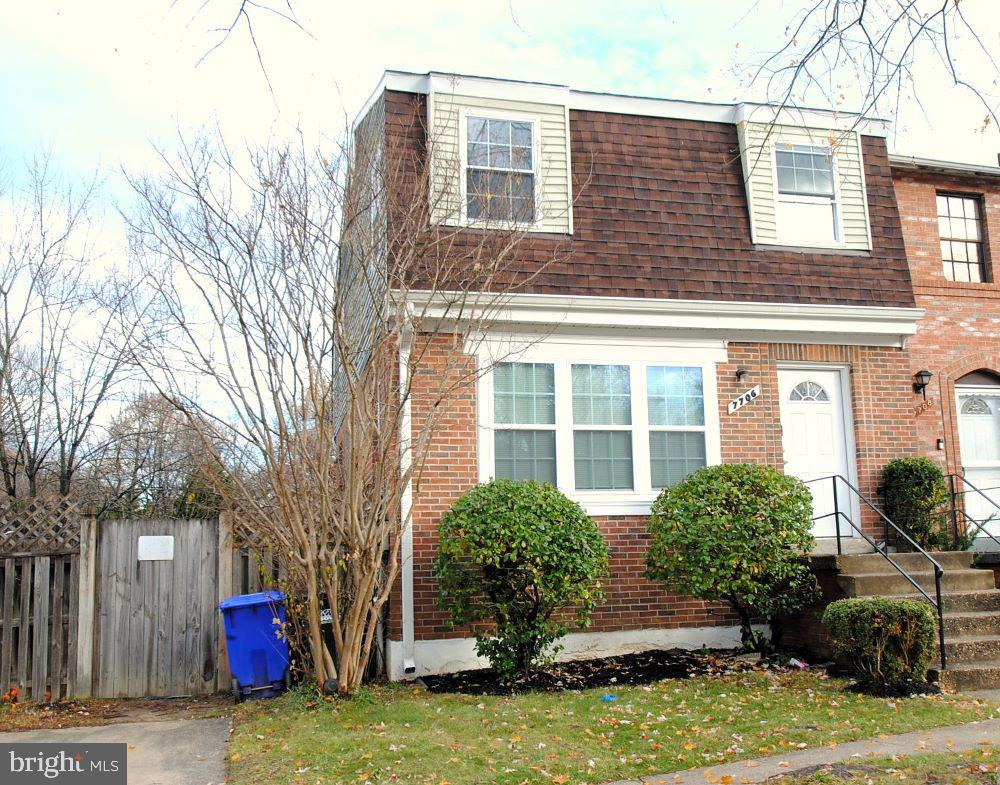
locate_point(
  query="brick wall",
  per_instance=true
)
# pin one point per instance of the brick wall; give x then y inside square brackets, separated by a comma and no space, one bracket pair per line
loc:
[961,330]
[884,429]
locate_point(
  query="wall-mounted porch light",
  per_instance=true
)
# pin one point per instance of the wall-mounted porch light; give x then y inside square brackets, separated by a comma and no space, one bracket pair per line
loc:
[741,373]
[920,381]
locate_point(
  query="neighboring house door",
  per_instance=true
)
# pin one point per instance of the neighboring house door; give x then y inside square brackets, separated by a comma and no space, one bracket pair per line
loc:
[979,435]
[815,439]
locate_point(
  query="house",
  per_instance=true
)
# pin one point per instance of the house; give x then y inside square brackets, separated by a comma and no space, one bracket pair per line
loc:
[951,227]
[715,283]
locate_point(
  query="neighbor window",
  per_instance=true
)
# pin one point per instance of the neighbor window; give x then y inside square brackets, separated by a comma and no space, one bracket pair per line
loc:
[807,203]
[960,227]
[606,430]
[524,416]
[500,170]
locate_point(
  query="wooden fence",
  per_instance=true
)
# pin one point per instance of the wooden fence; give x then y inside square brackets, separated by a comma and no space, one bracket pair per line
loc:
[82,612]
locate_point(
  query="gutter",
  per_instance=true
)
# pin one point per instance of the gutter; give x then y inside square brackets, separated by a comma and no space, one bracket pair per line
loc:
[915,164]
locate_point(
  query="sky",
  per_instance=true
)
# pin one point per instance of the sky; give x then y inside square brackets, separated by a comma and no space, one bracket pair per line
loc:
[101,83]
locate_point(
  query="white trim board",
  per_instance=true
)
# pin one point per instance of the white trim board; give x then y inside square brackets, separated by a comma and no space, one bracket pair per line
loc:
[686,319]
[448,655]
[585,100]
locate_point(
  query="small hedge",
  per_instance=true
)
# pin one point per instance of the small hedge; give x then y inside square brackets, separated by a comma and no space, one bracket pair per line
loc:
[915,497]
[737,533]
[517,554]
[889,643]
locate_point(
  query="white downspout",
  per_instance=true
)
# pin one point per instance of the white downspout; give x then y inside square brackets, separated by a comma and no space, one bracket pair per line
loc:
[406,505]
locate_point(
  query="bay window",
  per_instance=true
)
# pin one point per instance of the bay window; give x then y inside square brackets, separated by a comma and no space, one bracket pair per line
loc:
[610,435]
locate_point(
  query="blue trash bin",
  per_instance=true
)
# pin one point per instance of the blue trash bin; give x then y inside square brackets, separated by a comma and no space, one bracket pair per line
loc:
[258,653]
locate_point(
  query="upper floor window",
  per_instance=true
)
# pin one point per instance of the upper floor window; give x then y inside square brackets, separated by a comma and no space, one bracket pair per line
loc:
[960,227]
[500,170]
[807,200]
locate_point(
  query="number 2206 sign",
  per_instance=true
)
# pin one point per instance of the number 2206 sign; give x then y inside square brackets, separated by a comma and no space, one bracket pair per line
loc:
[742,400]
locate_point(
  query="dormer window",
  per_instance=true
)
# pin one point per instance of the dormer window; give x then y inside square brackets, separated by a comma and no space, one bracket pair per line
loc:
[500,170]
[807,203]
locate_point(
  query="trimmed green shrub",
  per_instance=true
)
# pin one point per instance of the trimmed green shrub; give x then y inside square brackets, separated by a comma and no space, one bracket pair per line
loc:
[736,533]
[887,642]
[518,553]
[915,497]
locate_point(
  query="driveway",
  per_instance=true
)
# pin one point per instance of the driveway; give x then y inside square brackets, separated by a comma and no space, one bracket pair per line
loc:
[171,752]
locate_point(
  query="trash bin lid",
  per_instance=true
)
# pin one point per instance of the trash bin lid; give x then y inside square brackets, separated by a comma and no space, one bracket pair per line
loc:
[269,597]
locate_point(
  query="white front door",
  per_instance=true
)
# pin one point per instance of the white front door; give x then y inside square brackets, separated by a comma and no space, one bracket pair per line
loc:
[979,434]
[814,437]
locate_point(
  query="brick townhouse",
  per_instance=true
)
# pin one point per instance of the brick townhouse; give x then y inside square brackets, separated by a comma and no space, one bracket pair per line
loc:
[732,285]
[951,227]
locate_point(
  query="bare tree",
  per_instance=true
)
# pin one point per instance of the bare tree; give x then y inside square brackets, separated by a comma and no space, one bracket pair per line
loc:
[60,335]
[303,296]
[865,56]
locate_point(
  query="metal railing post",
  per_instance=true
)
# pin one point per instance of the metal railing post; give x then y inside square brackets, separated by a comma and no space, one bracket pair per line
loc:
[836,514]
[940,610]
[954,511]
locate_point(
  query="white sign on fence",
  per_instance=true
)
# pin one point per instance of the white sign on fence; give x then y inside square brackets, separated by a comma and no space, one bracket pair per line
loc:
[742,400]
[156,548]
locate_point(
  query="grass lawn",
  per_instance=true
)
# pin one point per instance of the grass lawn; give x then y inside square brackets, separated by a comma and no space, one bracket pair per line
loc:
[396,734]
[978,767]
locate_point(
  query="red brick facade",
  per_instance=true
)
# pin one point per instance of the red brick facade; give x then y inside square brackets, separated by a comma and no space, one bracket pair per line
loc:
[883,425]
[961,330]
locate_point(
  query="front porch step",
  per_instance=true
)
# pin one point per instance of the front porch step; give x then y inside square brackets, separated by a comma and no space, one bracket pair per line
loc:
[969,622]
[911,562]
[891,583]
[964,676]
[971,648]
[962,602]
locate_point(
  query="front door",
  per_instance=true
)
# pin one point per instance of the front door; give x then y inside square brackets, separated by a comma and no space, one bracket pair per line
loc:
[979,433]
[814,438]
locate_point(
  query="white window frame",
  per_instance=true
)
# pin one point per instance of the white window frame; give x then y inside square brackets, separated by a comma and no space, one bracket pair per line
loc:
[783,238]
[563,355]
[464,114]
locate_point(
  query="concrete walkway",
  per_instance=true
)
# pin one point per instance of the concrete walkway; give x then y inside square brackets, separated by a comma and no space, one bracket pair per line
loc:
[172,752]
[956,738]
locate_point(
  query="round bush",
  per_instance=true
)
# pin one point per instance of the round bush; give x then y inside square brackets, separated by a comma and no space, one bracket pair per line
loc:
[888,643]
[736,533]
[517,553]
[915,496]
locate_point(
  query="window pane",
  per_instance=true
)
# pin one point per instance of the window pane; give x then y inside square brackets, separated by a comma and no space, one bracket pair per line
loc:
[499,157]
[807,220]
[525,455]
[675,396]
[602,395]
[805,170]
[673,456]
[520,158]
[524,394]
[478,154]
[477,129]
[521,134]
[603,460]
[499,132]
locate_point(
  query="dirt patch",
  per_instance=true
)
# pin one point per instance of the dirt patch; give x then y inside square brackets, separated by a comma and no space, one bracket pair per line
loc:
[844,771]
[627,669]
[100,711]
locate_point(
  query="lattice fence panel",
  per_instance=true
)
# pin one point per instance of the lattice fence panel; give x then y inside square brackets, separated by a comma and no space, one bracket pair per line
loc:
[39,526]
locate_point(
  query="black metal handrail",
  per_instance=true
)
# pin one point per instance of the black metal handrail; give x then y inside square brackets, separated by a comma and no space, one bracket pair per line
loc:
[883,550]
[956,511]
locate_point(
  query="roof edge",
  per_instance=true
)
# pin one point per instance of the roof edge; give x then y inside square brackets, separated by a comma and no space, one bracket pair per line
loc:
[936,166]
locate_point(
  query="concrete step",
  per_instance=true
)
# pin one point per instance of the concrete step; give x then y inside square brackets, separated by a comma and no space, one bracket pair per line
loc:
[957,624]
[965,676]
[875,562]
[890,584]
[972,648]
[960,602]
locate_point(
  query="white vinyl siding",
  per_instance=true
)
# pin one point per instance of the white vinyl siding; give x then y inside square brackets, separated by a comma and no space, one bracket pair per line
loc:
[758,143]
[447,137]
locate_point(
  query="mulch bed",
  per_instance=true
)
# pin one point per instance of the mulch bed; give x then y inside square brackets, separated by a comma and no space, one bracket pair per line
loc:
[625,670]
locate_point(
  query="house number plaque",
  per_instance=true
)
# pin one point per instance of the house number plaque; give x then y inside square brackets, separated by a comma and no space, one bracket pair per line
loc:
[742,400]
[155,548]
